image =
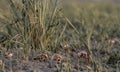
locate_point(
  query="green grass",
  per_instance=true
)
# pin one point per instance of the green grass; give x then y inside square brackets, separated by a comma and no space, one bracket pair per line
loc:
[44,25]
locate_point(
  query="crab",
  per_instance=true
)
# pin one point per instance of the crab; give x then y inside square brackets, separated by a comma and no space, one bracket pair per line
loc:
[41,57]
[84,54]
[57,58]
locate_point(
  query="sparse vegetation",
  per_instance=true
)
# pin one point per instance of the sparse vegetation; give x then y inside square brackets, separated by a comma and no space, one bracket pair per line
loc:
[84,36]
